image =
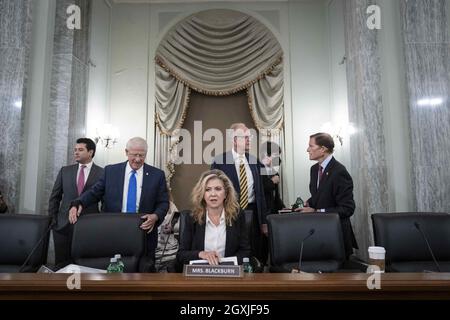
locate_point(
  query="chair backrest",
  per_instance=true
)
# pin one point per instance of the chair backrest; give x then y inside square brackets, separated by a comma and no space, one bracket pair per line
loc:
[257,265]
[98,237]
[322,251]
[183,223]
[19,234]
[397,233]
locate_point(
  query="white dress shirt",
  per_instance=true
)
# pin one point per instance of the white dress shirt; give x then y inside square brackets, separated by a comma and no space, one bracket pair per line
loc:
[216,236]
[87,170]
[126,182]
[237,162]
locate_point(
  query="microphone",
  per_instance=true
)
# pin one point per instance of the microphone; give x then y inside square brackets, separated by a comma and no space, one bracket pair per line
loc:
[417,225]
[52,223]
[173,222]
[310,233]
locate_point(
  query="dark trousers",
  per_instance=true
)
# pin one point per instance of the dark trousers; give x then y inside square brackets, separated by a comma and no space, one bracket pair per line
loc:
[147,263]
[63,244]
[258,241]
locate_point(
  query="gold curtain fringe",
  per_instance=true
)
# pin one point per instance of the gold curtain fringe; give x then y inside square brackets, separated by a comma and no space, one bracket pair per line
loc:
[185,109]
[171,168]
[161,62]
[170,165]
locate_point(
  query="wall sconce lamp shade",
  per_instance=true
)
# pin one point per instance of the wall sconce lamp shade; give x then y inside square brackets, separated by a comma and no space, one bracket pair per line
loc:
[339,130]
[108,135]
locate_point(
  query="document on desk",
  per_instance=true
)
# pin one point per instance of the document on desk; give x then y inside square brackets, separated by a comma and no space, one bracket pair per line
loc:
[74,268]
[230,261]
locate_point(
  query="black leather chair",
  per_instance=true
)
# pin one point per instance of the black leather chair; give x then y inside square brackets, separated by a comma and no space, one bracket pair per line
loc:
[98,237]
[323,251]
[19,235]
[406,248]
[257,266]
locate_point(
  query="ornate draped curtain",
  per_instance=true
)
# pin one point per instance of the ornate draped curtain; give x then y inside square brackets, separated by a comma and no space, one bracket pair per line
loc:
[217,52]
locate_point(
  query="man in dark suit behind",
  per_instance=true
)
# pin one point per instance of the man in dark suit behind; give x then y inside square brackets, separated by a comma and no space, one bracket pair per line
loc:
[229,163]
[71,182]
[331,187]
[132,187]
[270,157]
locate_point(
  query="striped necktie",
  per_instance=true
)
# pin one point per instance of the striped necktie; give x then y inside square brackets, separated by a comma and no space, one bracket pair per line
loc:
[243,200]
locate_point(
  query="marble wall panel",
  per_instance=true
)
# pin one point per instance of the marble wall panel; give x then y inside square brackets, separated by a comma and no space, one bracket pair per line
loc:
[425,30]
[15,43]
[368,160]
[67,112]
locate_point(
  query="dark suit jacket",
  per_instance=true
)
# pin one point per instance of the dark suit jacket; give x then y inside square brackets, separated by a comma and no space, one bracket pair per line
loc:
[225,162]
[109,189]
[272,195]
[335,194]
[192,239]
[65,191]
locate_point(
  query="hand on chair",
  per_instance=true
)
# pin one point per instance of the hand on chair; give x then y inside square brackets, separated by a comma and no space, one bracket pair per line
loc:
[150,221]
[74,213]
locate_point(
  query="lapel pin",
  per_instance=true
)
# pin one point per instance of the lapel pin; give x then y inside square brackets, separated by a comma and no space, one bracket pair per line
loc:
[146,173]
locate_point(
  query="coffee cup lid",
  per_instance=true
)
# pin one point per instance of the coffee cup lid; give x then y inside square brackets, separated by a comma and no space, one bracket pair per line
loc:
[377,249]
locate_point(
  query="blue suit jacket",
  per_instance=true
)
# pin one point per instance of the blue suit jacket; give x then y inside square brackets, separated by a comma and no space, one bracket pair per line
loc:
[225,162]
[109,189]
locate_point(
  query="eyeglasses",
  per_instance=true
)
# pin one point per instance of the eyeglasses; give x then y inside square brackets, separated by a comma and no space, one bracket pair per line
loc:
[250,137]
[137,155]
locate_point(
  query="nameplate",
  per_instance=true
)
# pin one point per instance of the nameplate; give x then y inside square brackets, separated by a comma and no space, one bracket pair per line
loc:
[228,271]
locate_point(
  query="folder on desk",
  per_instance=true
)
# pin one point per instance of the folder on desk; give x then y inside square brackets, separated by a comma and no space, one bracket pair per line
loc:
[231,261]
[74,268]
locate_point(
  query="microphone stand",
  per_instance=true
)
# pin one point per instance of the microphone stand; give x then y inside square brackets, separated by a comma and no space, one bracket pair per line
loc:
[175,218]
[310,233]
[37,245]
[417,225]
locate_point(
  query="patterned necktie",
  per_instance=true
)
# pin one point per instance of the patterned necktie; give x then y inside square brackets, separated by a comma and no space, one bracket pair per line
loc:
[320,173]
[243,200]
[80,182]
[132,188]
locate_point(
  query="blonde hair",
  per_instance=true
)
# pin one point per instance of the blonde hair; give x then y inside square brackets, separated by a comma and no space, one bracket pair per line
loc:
[230,204]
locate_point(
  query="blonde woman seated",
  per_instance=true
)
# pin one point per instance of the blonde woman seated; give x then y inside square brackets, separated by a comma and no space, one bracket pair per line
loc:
[216,227]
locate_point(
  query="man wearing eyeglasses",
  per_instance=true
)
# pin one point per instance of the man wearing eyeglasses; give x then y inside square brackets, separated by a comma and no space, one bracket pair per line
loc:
[244,170]
[131,187]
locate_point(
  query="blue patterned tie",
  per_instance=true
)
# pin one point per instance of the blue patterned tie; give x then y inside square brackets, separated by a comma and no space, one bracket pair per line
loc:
[131,198]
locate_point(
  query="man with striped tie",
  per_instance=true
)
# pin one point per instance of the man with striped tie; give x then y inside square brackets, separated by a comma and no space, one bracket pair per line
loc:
[244,170]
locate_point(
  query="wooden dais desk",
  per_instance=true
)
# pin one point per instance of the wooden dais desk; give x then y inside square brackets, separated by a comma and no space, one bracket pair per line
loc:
[262,286]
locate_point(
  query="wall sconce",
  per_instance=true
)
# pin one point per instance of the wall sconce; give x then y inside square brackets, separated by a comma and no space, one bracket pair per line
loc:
[108,135]
[339,131]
